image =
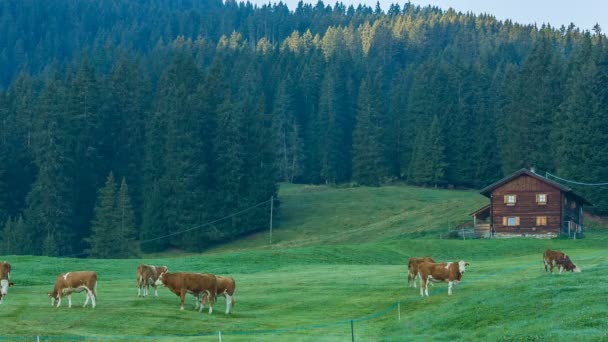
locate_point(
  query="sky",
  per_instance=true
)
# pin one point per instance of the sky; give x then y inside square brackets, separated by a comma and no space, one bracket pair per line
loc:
[583,13]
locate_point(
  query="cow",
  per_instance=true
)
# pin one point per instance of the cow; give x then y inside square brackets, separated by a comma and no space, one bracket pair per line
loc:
[450,272]
[181,283]
[70,282]
[5,279]
[559,259]
[225,287]
[412,269]
[146,276]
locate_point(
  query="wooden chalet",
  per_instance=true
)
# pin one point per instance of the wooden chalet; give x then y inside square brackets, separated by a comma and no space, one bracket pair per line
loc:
[527,204]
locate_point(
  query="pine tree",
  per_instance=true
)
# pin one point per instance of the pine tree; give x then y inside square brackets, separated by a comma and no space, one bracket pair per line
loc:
[127,230]
[289,145]
[369,165]
[428,161]
[50,203]
[15,237]
[105,231]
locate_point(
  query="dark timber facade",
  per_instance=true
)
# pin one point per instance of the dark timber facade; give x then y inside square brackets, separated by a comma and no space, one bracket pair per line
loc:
[527,204]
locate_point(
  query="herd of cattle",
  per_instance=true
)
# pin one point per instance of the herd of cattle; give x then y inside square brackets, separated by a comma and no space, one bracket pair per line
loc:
[206,287]
[451,272]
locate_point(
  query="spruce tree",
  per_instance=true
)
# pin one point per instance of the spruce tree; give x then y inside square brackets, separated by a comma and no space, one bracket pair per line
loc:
[49,215]
[105,240]
[369,165]
[127,230]
[428,164]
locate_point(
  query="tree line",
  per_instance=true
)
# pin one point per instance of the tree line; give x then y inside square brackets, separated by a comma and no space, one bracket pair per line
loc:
[149,119]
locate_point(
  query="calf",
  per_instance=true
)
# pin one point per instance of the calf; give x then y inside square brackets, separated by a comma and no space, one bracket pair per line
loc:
[450,272]
[70,282]
[196,284]
[5,279]
[146,276]
[413,265]
[559,259]
[225,287]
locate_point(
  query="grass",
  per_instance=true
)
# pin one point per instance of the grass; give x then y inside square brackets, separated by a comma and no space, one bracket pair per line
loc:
[340,256]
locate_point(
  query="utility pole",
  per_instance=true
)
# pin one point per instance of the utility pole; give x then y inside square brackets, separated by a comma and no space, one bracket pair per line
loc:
[271,209]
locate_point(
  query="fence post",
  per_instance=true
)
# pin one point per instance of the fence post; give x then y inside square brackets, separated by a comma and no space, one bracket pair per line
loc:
[271,210]
[220,336]
[352,330]
[399,310]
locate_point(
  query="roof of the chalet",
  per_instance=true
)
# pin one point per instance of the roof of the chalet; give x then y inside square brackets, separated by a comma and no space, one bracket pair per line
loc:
[482,210]
[487,191]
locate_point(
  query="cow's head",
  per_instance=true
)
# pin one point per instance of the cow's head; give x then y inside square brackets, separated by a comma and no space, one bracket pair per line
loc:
[4,285]
[462,266]
[54,296]
[568,265]
[159,280]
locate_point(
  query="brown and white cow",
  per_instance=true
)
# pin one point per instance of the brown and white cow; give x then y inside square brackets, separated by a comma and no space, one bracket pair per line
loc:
[225,288]
[412,269]
[5,279]
[450,272]
[559,259]
[146,276]
[70,282]
[196,284]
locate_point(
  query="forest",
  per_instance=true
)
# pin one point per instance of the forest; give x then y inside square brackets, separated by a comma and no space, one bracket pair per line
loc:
[144,126]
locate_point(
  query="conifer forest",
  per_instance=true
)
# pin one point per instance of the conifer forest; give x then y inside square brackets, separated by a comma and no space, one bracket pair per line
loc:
[123,121]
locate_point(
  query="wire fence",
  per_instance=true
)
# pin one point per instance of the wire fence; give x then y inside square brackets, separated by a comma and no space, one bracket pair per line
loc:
[355,329]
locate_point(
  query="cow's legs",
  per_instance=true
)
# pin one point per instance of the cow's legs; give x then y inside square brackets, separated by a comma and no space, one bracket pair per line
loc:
[200,301]
[182,295]
[138,290]
[211,301]
[424,286]
[411,279]
[87,295]
[93,299]
[228,304]
[59,301]
[155,291]
[450,284]
[70,300]
[561,268]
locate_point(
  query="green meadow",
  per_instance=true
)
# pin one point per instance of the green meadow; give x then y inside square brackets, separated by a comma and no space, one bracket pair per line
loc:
[336,270]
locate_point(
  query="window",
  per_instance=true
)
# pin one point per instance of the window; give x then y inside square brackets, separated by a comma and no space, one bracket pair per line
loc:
[510,199]
[510,221]
[541,220]
[541,199]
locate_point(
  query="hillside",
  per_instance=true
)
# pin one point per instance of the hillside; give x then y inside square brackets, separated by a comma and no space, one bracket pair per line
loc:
[322,273]
[185,112]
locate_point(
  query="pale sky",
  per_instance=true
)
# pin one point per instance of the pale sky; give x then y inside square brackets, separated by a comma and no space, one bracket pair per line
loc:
[583,13]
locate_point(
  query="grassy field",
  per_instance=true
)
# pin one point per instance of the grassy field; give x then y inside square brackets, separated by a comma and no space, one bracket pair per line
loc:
[338,260]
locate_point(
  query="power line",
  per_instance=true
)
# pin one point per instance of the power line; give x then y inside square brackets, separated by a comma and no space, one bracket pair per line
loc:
[185,230]
[574,182]
[205,224]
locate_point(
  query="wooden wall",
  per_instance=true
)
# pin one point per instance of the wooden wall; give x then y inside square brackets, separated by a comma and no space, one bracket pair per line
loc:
[526,207]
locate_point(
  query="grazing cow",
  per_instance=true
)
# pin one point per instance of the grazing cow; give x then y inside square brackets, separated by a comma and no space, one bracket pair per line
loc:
[225,287]
[5,279]
[412,269]
[146,276]
[450,272]
[559,259]
[70,282]
[181,283]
